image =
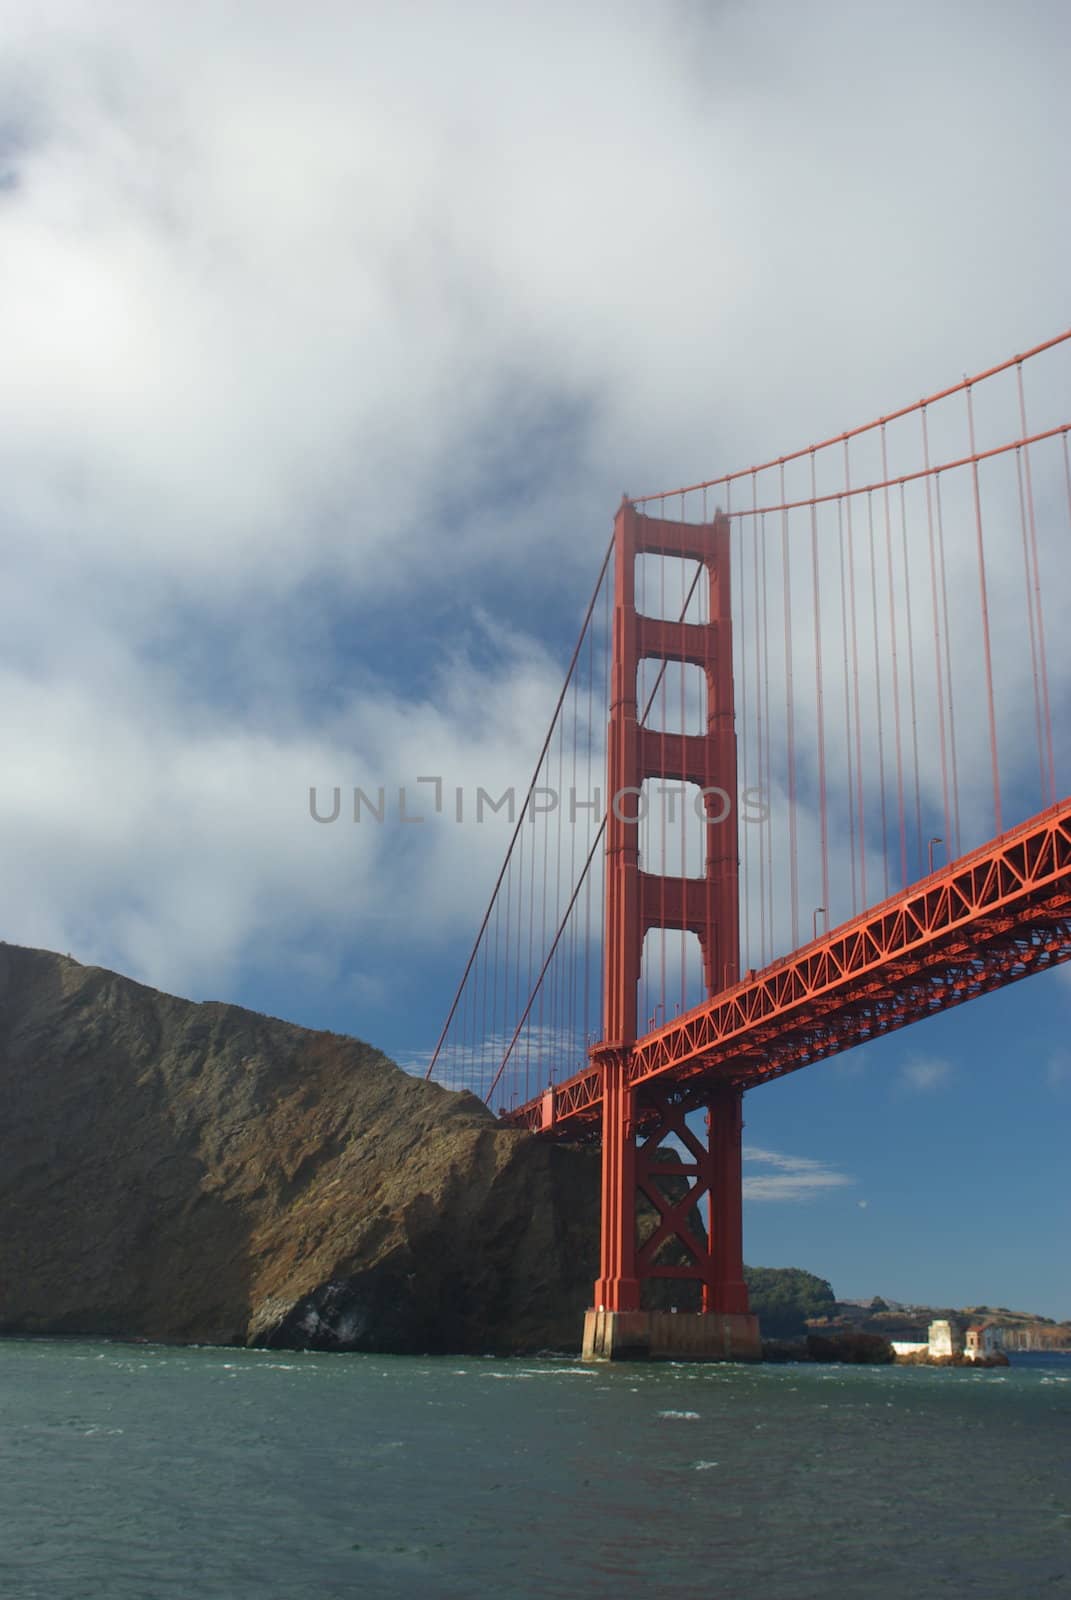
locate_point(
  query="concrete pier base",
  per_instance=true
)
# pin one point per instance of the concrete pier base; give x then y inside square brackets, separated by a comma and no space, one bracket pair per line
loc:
[671,1336]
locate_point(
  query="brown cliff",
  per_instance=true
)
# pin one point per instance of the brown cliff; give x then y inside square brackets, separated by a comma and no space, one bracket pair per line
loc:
[200,1172]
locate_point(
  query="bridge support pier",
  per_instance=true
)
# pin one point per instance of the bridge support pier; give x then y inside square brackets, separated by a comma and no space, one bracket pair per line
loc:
[670,1336]
[655,1247]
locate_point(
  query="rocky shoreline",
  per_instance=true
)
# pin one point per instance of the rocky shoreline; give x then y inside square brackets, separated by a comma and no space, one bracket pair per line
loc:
[867,1349]
[200,1173]
[920,1358]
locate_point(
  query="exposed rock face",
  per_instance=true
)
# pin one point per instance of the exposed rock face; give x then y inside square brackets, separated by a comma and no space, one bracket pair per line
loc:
[922,1358]
[201,1172]
[866,1348]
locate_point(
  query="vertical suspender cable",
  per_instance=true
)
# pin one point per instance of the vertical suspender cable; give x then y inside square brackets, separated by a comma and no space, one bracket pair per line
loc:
[531,948]
[1028,576]
[855,679]
[558,970]
[877,691]
[571,967]
[823,820]
[521,919]
[955,831]
[983,598]
[764,796]
[931,487]
[849,763]
[713,954]
[743,786]
[491,1038]
[557,1017]
[660,1001]
[588,799]
[911,681]
[1046,708]
[684,809]
[790,721]
[766,723]
[508,955]
[895,663]
[607,634]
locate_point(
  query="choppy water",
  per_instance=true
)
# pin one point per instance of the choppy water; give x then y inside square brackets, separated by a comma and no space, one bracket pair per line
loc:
[131,1472]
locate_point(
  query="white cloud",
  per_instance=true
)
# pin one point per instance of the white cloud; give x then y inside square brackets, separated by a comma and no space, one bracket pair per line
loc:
[389,304]
[161,840]
[788,1177]
[924,1073]
[1058,1069]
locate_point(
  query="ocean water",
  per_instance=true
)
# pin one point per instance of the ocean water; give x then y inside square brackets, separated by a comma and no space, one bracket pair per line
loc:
[129,1472]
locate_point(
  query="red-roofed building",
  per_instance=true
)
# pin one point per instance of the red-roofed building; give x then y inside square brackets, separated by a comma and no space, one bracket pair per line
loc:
[983,1339]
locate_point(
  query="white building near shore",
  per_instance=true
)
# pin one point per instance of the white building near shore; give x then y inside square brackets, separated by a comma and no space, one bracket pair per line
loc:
[944,1340]
[983,1339]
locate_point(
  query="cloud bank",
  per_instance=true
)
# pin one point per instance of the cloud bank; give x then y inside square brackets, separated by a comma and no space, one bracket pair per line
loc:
[331,341]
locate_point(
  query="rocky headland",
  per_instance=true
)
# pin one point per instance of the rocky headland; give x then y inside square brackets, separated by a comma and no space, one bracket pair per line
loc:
[198,1172]
[202,1173]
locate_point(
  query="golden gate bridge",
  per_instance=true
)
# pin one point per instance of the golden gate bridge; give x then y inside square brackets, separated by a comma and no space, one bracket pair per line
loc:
[802,786]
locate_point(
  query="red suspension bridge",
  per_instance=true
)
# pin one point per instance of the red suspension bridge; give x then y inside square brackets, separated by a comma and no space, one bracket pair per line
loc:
[802,786]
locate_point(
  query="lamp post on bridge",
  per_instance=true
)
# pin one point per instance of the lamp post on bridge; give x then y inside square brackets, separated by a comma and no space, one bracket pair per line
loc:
[935,840]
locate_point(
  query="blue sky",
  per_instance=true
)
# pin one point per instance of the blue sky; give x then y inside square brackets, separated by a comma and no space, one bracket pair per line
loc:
[331,344]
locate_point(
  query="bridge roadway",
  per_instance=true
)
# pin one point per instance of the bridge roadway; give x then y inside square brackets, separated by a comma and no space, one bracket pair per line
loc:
[983,921]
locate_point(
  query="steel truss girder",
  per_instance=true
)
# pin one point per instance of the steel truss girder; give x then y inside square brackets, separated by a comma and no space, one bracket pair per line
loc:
[984,921]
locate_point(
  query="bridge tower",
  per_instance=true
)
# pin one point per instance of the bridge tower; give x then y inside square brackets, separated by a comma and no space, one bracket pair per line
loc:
[674,1180]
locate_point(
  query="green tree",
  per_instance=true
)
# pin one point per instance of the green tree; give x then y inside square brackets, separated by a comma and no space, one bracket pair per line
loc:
[784,1297]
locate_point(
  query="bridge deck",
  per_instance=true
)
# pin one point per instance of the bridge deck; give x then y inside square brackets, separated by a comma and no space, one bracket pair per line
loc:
[993,916]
